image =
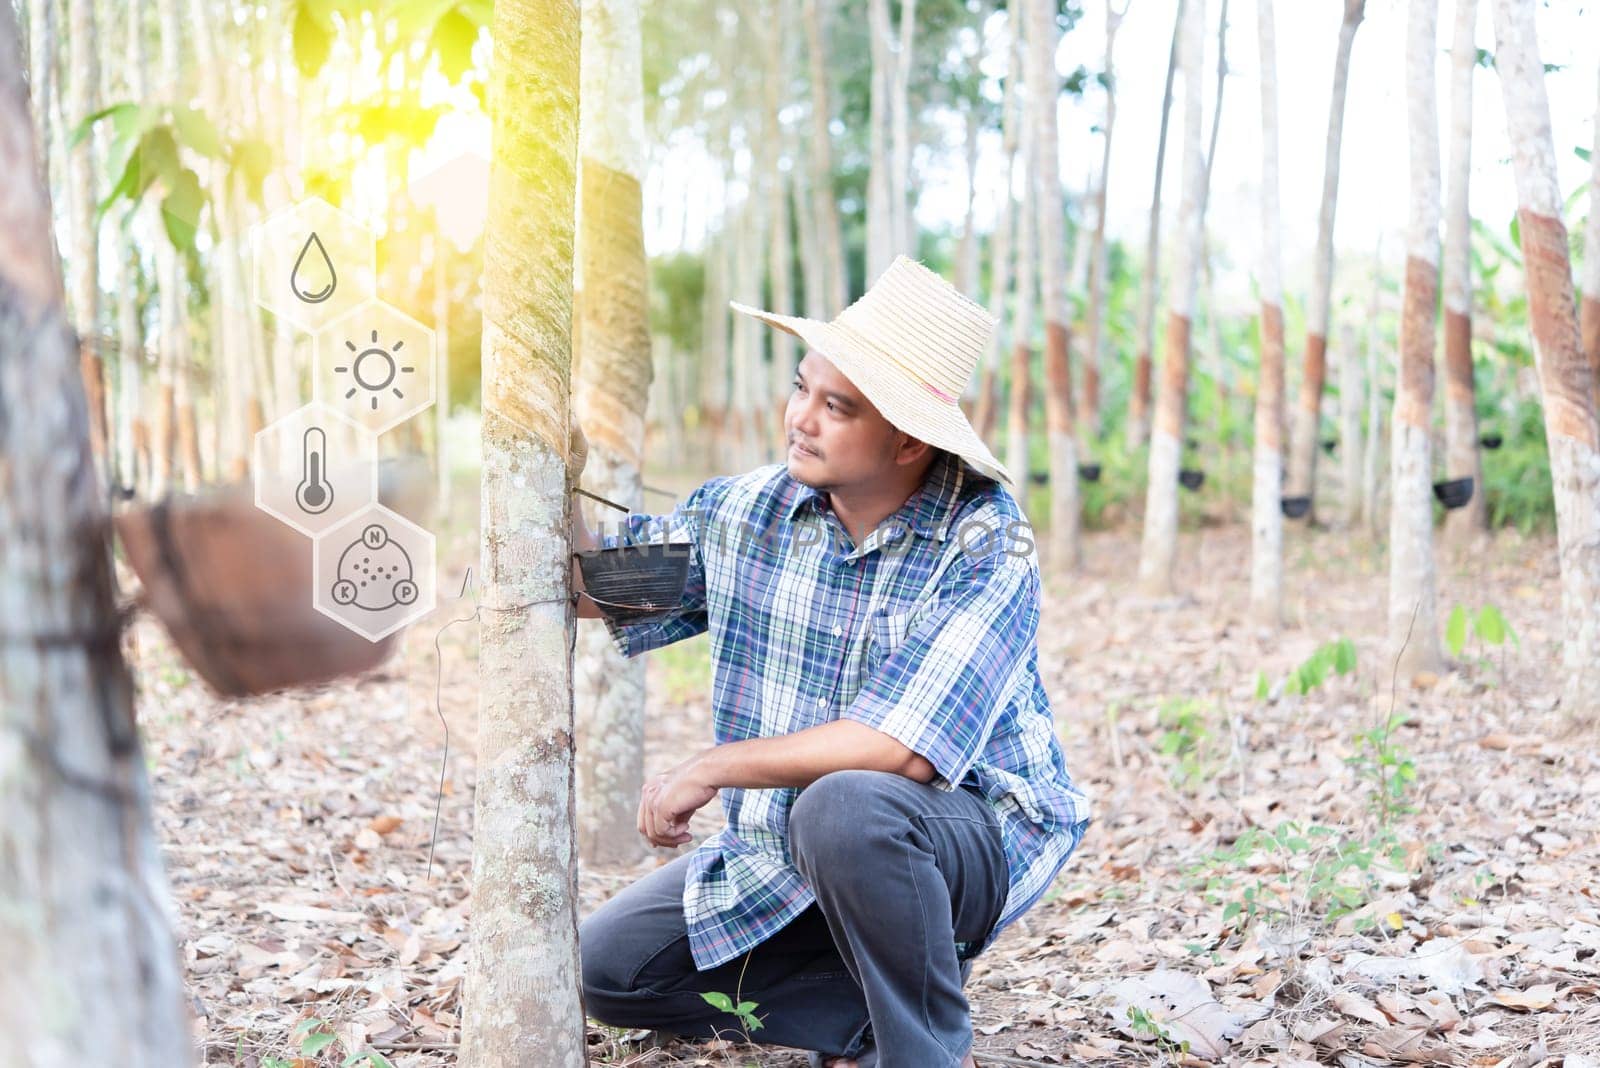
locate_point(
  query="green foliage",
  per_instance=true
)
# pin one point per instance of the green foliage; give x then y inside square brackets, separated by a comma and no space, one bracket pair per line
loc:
[1337,657]
[744,1010]
[315,1035]
[1141,1022]
[1488,625]
[1388,769]
[1185,737]
[1301,871]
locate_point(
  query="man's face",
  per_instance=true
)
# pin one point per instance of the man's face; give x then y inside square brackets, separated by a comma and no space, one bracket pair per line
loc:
[835,437]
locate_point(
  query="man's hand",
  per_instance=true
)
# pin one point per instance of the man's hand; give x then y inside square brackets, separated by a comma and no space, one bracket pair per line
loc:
[577,452]
[669,799]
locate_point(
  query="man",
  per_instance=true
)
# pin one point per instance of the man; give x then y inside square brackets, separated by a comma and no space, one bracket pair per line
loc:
[886,757]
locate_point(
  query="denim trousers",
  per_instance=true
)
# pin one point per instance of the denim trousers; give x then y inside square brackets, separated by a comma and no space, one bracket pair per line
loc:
[906,876]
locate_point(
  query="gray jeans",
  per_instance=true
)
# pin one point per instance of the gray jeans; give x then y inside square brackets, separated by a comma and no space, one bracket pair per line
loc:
[902,873]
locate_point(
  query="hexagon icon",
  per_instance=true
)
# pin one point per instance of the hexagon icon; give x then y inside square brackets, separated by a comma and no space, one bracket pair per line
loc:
[374,573]
[314,468]
[375,365]
[312,263]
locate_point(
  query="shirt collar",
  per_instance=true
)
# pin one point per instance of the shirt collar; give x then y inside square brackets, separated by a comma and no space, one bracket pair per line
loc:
[928,511]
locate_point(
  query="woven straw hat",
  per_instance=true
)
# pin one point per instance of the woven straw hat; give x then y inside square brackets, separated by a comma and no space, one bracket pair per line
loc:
[910,345]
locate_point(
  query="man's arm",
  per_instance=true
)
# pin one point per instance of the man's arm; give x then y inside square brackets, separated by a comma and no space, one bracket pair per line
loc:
[797,759]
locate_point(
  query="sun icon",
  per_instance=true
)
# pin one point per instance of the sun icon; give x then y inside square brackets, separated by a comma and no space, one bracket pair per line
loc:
[374,369]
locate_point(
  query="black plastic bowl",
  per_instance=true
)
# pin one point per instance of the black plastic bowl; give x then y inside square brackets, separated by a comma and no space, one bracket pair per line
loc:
[1191,478]
[1295,507]
[636,583]
[1454,493]
[1329,444]
[1089,472]
[1492,439]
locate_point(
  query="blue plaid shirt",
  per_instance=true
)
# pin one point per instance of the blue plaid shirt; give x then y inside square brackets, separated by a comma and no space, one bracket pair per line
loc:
[926,631]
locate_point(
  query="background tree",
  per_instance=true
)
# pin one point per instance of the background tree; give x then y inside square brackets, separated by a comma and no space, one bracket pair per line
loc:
[522,984]
[1019,402]
[1139,396]
[90,960]
[1306,434]
[1591,265]
[614,375]
[1094,345]
[1572,432]
[1413,601]
[1462,458]
[1266,523]
[1041,39]
[1159,546]
[1006,225]
[836,277]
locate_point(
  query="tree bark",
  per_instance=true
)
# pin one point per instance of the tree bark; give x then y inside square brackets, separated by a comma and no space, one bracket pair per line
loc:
[1000,251]
[522,996]
[1305,438]
[1020,398]
[825,207]
[779,272]
[1572,432]
[1159,547]
[614,377]
[83,99]
[1043,89]
[1266,523]
[90,962]
[1138,428]
[1591,266]
[1093,353]
[1351,402]
[905,230]
[1373,447]
[1413,601]
[881,218]
[1462,456]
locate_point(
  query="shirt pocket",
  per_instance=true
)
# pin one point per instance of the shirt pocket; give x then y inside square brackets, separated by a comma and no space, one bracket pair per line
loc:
[889,628]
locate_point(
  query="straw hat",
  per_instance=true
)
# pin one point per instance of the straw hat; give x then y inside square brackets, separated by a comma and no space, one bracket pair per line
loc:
[910,344]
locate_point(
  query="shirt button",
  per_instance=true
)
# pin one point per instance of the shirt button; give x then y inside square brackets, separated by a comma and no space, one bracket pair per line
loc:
[822,702]
[838,632]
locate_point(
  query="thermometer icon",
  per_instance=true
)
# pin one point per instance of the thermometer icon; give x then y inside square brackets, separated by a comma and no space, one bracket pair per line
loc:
[314,495]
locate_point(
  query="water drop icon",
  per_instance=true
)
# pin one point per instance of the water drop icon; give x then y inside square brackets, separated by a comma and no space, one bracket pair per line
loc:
[313,278]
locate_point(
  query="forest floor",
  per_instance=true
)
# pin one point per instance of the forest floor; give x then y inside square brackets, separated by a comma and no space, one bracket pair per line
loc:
[1271,881]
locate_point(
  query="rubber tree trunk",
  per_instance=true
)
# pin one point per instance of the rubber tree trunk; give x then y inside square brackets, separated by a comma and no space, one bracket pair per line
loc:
[614,376]
[1352,399]
[1591,266]
[1462,458]
[1266,512]
[83,99]
[1000,245]
[905,226]
[780,278]
[1306,436]
[1019,403]
[1159,547]
[1372,449]
[1413,601]
[1094,346]
[881,218]
[521,1003]
[824,206]
[1572,433]
[133,435]
[1138,428]
[91,964]
[1044,85]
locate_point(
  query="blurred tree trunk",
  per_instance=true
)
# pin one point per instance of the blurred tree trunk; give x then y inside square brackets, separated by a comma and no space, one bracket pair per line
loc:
[83,99]
[1572,431]
[967,249]
[814,270]
[749,393]
[1020,398]
[986,412]
[521,1003]
[1044,85]
[133,435]
[1094,347]
[1159,547]
[825,208]
[41,47]
[614,376]
[1351,401]
[1306,436]
[1138,428]
[91,965]
[1372,449]
[905,225]
[780,278]
[1462,456]
[1266,505]
[1591,266]
[881,219]
[1413,602]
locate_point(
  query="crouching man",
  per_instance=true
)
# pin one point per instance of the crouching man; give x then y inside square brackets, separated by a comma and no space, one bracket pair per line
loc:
[885,753]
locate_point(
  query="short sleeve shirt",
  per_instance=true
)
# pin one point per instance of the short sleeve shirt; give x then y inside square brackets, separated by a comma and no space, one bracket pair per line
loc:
[926,631]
